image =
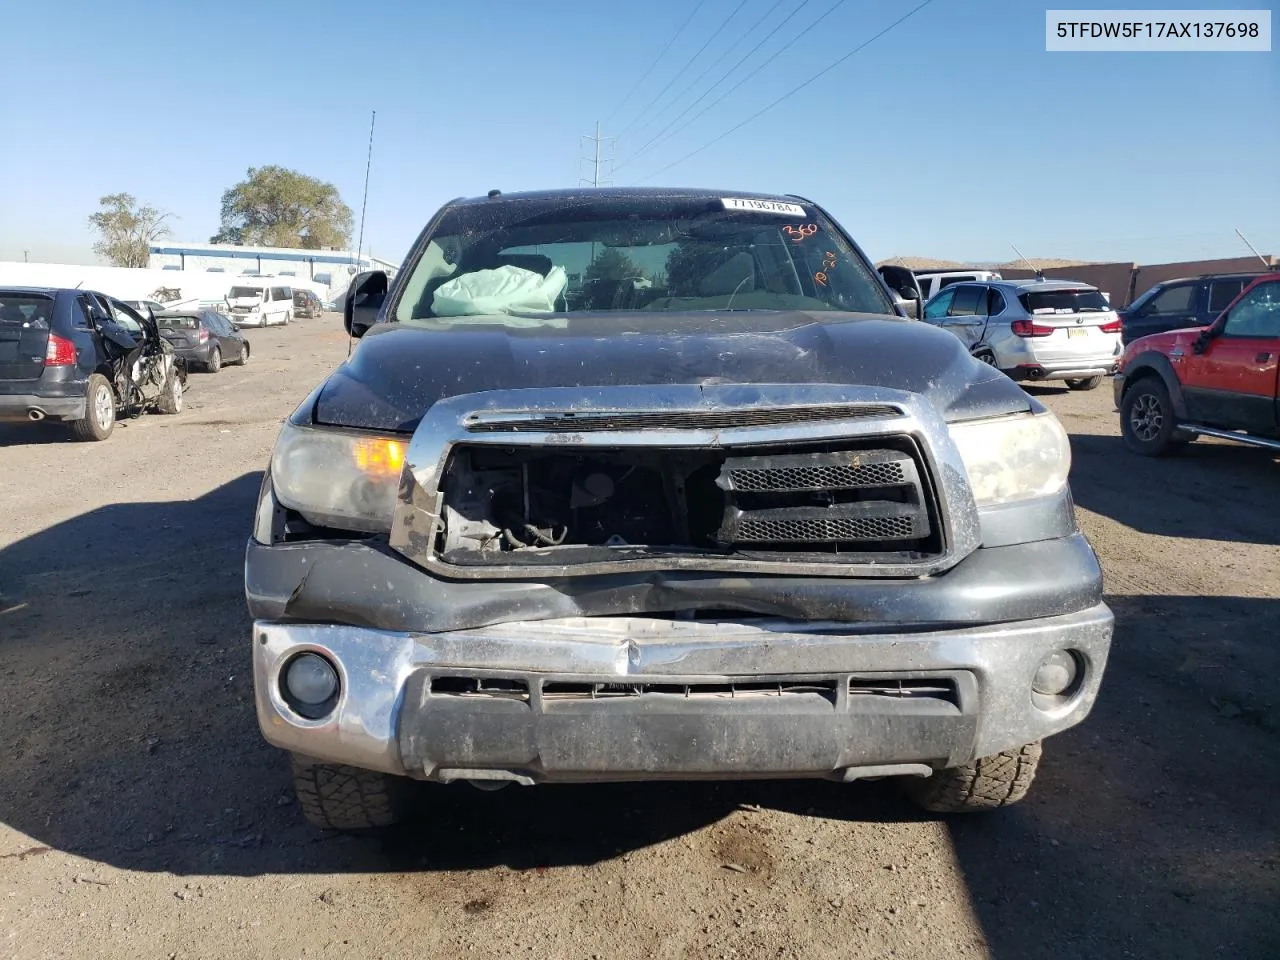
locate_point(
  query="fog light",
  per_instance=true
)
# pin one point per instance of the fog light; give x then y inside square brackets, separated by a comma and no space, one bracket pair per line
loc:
[310,680]
[1056,674]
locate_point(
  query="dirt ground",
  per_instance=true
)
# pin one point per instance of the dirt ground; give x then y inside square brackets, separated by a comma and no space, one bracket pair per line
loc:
[141,815]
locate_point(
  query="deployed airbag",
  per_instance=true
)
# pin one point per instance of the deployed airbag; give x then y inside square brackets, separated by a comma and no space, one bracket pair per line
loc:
[507,289]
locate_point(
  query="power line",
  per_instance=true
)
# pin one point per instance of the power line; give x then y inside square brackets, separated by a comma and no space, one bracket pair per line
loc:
[656,60]
[688,63]
[793,91]
[655,141]
[728,50]
[596,160]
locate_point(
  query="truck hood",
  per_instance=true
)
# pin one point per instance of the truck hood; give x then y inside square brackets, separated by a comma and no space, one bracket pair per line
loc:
[397,371]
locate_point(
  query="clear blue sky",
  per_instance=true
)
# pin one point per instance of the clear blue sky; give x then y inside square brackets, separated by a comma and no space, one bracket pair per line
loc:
[952,136]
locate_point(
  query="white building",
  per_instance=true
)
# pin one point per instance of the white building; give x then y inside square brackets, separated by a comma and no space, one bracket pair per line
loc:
[332,269]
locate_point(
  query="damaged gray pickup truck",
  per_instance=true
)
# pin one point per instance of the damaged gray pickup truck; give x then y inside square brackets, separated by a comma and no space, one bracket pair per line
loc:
[651,484]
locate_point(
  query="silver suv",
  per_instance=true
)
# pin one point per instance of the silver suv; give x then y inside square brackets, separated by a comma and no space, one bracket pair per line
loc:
[1033,329]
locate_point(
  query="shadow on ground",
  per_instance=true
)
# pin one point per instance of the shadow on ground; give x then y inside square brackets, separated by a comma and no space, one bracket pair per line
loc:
[1182,495]
[134,741]
[1154,823]
[130,740]
[35,434]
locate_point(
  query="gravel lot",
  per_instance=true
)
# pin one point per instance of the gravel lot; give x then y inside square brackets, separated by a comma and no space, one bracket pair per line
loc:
[142,816]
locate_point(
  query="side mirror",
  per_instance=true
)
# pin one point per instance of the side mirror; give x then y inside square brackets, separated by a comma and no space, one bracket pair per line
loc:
[909,308]
[1201,343]
[365,297]
[235,326]
[906,289]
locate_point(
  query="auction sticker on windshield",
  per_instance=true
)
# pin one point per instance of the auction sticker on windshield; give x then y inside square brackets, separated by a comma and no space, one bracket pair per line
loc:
[763,206]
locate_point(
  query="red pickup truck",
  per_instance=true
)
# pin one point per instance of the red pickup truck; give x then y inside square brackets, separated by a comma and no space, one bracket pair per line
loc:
[1214,381]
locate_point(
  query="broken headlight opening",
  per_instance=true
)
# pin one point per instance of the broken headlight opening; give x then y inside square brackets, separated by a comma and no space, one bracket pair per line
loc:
[1013,458]
[342,479]
[855,500]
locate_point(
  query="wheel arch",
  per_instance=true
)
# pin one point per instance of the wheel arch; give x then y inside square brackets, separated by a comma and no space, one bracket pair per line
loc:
[1154,364]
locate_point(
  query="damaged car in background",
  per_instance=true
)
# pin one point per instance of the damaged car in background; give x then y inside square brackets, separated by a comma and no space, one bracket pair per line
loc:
[82,358]
[645,484]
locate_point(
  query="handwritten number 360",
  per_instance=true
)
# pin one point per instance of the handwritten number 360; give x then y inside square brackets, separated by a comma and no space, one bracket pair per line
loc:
[800,233]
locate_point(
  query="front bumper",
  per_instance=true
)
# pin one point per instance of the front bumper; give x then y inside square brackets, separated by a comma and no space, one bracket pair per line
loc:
[623,698]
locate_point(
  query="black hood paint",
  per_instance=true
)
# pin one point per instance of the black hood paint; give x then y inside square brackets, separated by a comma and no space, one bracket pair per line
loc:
[397,372]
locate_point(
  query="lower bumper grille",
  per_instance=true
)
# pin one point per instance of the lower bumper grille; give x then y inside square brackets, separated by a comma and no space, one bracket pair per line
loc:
[942,690]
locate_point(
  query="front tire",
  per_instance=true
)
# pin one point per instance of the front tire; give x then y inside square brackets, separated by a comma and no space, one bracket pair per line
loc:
[100,411]
[215,360]
[1147,422]
[339,797]
[986,784]
[244,355]
[1084,383]
[287,318]
[171,400]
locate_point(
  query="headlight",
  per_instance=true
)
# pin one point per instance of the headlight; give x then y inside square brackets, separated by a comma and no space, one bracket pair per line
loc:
[336,478]
[1013,458]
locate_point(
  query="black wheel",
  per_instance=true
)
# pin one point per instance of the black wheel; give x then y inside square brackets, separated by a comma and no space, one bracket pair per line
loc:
[215,360]
[987,357]
[100,411]
[985,784]
[1084,383]
[1147,422]
[244,354]
[347,798]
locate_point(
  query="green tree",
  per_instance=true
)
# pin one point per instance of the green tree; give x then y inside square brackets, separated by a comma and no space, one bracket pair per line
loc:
[603,275]
[690,262]
[275,207]
[126,230]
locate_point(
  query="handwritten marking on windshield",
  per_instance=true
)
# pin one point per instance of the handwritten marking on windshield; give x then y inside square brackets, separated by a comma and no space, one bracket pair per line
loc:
[800,233]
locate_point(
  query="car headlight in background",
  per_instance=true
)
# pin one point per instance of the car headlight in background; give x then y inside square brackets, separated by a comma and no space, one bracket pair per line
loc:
[338,478]
[1013,458]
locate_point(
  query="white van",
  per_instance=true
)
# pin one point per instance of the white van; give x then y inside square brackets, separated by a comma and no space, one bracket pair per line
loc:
[931,281]
[256,303]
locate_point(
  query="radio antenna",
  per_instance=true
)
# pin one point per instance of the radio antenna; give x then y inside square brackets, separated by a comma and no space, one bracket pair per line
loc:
[1264,260]
[1034,269]
[365,202]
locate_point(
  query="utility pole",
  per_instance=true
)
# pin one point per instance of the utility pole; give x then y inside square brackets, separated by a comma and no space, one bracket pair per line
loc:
[596,160]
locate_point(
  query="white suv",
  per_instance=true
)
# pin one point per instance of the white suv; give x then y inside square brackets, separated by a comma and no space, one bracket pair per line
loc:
[1034,329]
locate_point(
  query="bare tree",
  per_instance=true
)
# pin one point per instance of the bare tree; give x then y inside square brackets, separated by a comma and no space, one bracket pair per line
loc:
[126,230]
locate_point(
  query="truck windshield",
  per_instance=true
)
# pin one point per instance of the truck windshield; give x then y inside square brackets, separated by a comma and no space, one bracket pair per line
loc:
[537,261]
[238,292]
